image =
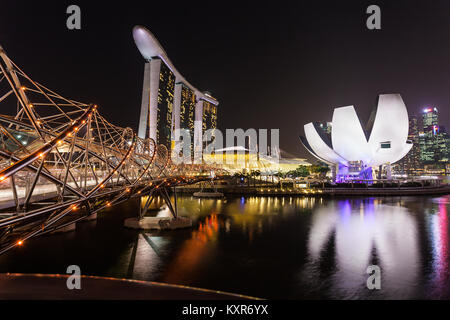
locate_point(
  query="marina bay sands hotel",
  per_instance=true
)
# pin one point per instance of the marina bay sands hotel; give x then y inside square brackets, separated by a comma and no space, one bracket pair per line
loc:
[169,101]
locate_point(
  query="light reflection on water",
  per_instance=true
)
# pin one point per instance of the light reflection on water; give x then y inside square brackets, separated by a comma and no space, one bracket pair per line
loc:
[344,237]
[437,225]
[270,247]
[363,233]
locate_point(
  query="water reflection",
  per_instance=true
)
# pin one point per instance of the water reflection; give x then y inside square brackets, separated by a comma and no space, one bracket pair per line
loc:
[145,256]
[269,247]
[195,252]
[353,234]
[341,239]
[437,224]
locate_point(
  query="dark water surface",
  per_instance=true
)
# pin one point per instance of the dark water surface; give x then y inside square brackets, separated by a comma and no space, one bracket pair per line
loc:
[279,247]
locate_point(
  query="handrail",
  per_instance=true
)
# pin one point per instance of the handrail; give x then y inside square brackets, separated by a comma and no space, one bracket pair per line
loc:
[42,151]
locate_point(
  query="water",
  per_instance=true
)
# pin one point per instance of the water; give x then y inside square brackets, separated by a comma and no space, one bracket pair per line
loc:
[269,247]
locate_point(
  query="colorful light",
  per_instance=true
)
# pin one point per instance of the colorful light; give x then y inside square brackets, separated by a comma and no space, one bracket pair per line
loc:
[435,130]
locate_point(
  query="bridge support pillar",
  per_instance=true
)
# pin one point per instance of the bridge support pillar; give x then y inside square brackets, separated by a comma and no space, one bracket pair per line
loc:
[158,223]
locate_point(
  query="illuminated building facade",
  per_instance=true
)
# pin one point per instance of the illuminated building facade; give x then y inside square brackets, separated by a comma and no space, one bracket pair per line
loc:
[157,102]
[326,127]
[209,116]
[185,111]
[169,102]
[443,145]
[235,159]
[434,139]
[411,163]
[165,106]
[205,119]
[428,136]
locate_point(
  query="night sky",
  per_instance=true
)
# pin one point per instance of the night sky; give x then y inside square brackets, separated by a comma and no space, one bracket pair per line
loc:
[271,64]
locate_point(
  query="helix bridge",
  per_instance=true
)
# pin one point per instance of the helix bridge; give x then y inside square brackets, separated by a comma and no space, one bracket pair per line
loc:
[61,161]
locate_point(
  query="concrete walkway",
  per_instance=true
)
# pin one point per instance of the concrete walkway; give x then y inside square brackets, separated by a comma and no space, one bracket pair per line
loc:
[53,287]
[41,192]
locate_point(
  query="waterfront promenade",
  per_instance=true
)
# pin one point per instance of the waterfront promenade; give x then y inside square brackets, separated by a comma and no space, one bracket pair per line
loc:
[356,190]
[53,287]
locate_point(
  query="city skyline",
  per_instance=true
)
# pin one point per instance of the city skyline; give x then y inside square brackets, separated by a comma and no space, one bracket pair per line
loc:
[258,85]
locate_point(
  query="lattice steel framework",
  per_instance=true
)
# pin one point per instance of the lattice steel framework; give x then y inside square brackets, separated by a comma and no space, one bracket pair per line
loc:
[58,156]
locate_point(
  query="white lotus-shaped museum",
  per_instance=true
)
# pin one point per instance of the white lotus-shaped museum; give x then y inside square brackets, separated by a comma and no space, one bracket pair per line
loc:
[384,142]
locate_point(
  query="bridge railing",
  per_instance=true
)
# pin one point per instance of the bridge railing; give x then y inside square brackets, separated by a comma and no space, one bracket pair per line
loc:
[58,156]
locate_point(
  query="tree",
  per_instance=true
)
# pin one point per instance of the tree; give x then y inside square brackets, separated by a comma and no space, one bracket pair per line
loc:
[300,171]
[279,174]
[320,169]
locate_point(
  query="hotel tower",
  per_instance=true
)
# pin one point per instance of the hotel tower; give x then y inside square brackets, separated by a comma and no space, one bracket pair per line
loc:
[169,102]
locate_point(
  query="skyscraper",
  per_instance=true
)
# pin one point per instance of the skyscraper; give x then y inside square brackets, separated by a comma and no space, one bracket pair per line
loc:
[165,106]
[411,163]
[157,102]
[326,127]
[428,135]
[205,119]
[433,139]
[185,104]
[443,145]
[209,113]
[169,101]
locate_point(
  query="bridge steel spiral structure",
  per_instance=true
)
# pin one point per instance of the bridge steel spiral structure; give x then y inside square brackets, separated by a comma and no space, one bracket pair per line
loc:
[61,161]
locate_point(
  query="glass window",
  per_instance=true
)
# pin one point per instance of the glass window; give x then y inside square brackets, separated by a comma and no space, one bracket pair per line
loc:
[385,145]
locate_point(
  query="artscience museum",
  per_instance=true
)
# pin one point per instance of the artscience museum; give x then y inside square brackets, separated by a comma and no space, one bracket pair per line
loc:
[357,152]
